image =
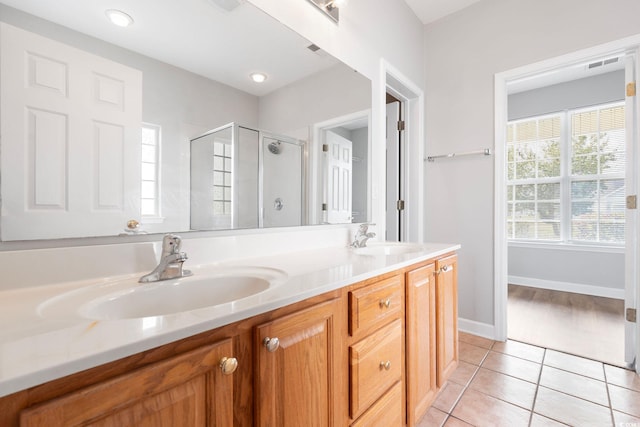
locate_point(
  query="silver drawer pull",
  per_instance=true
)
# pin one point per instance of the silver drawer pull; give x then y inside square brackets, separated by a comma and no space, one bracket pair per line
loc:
[385,303]
[445,268]
[385,365]
[271,344]
[228,365]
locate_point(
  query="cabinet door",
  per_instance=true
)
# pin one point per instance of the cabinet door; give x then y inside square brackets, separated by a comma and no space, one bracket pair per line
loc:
[447,317]
[186,390]
[421,342]
[295,380]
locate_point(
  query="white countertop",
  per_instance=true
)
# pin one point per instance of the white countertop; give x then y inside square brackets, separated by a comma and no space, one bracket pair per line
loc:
[34,350]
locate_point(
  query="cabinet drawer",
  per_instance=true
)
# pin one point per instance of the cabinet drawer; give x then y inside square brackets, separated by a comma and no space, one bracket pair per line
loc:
[387,411]
[375,305]
[375,364]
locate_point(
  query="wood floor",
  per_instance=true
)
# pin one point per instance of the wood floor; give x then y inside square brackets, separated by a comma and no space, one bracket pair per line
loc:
[587,326]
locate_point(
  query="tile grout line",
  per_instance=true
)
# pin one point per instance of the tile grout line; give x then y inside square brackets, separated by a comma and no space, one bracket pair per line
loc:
[606,385]
[535,395]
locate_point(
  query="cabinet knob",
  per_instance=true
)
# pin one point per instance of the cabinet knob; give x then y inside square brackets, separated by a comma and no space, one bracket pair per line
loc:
[228,365]
[272,344]
[385,365]
[385,303]
[445,268]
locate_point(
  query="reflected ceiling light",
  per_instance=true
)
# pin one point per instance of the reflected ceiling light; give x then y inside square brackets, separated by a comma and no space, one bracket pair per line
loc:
[331,8]
[258,77]
[119,18]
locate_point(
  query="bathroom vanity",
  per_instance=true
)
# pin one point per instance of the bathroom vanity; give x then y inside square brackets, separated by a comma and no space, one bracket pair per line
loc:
[360,338]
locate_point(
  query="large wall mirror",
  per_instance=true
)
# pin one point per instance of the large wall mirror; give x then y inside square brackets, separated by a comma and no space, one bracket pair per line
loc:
[158,127]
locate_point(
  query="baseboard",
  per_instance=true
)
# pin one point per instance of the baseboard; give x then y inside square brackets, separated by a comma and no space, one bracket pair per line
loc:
[576,288]
[476,328]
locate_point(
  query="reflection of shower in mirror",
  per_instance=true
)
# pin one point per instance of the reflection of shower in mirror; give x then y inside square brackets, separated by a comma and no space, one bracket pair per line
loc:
[235,179]
[274,147]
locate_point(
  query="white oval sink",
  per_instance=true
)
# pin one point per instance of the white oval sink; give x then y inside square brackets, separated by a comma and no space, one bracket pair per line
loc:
[128,299]
[388,248]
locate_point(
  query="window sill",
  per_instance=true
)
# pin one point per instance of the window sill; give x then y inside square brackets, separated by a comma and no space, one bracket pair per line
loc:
[567,247]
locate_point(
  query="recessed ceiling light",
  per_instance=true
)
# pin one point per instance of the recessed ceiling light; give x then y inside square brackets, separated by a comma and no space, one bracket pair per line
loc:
[119,18]
[258,77]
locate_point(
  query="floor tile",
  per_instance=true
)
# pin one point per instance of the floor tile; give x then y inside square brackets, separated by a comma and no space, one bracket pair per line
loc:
[622,377]
[471,353]
[625,420]
[481,410]
[538,420]
[433,418]
[475,340]
[625,400]
[575,364]
[504,387]
[521,350]
[570,410]
[514,366]
[454,422]
[448,396]
[575,385]
[463,373]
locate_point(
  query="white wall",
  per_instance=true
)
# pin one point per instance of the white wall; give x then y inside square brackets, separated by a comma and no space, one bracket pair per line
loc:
[463,52]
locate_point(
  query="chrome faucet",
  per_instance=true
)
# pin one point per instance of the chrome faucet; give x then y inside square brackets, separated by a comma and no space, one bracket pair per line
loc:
[362,235]
[170,265]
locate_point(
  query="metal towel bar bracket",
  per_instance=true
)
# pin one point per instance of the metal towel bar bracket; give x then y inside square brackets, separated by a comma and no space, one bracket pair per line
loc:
[486,152]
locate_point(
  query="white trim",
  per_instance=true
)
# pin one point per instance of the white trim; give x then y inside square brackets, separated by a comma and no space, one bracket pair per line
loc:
[566,247]
[575,288]
[484,330]
[413,99]
[500,120]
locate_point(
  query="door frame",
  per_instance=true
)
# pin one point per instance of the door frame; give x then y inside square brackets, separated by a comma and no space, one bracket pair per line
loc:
[500,121]
[412,167]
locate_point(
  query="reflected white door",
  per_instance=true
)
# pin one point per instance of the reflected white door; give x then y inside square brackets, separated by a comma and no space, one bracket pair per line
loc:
[339,178]
[71,130]
[632,245]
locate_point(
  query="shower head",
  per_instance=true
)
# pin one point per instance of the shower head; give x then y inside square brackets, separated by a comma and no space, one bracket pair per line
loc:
[274,147]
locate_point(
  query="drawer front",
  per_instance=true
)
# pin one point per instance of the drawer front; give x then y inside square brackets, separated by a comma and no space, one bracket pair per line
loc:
[374,305]
[387,411]
[375,364]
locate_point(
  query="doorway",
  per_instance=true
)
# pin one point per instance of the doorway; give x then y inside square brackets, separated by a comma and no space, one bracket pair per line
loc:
[565,192]
[395,167]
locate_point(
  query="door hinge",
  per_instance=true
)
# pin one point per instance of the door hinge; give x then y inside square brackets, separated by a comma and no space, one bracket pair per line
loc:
[632,202]
[400,205]
[400,125]
[324,206]
[325,148]
[631,89]
[631,315]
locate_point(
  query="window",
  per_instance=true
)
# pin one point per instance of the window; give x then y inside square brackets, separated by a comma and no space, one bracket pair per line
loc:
[150,173]
[221,178]
[565,176]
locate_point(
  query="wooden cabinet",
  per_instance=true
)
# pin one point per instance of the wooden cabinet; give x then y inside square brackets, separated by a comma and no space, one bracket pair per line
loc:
[447,317]
[376,352]
[186,390]
[298,360]
[421,341]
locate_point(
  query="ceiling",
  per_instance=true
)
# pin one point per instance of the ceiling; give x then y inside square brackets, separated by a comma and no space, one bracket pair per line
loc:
[432,10]
[224,40]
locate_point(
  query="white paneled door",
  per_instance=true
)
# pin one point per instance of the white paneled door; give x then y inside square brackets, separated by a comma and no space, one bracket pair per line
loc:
[339,178]
[70,153]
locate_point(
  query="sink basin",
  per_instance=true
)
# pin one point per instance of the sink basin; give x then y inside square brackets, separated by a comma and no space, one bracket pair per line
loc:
[128,299]
[388,248]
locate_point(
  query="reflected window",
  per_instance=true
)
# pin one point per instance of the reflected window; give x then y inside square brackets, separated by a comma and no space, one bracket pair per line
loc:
[150,171]
[221,178]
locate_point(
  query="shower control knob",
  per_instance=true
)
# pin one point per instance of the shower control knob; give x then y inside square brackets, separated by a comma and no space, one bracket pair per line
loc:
[278,204]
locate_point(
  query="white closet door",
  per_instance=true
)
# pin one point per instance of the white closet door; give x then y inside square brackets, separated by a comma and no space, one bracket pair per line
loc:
[70,155]
[339,179]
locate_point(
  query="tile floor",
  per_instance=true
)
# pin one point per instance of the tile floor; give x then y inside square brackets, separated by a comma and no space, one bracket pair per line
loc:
[515,384]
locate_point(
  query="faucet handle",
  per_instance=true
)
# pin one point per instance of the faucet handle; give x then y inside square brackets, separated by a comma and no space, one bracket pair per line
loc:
[171,244]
